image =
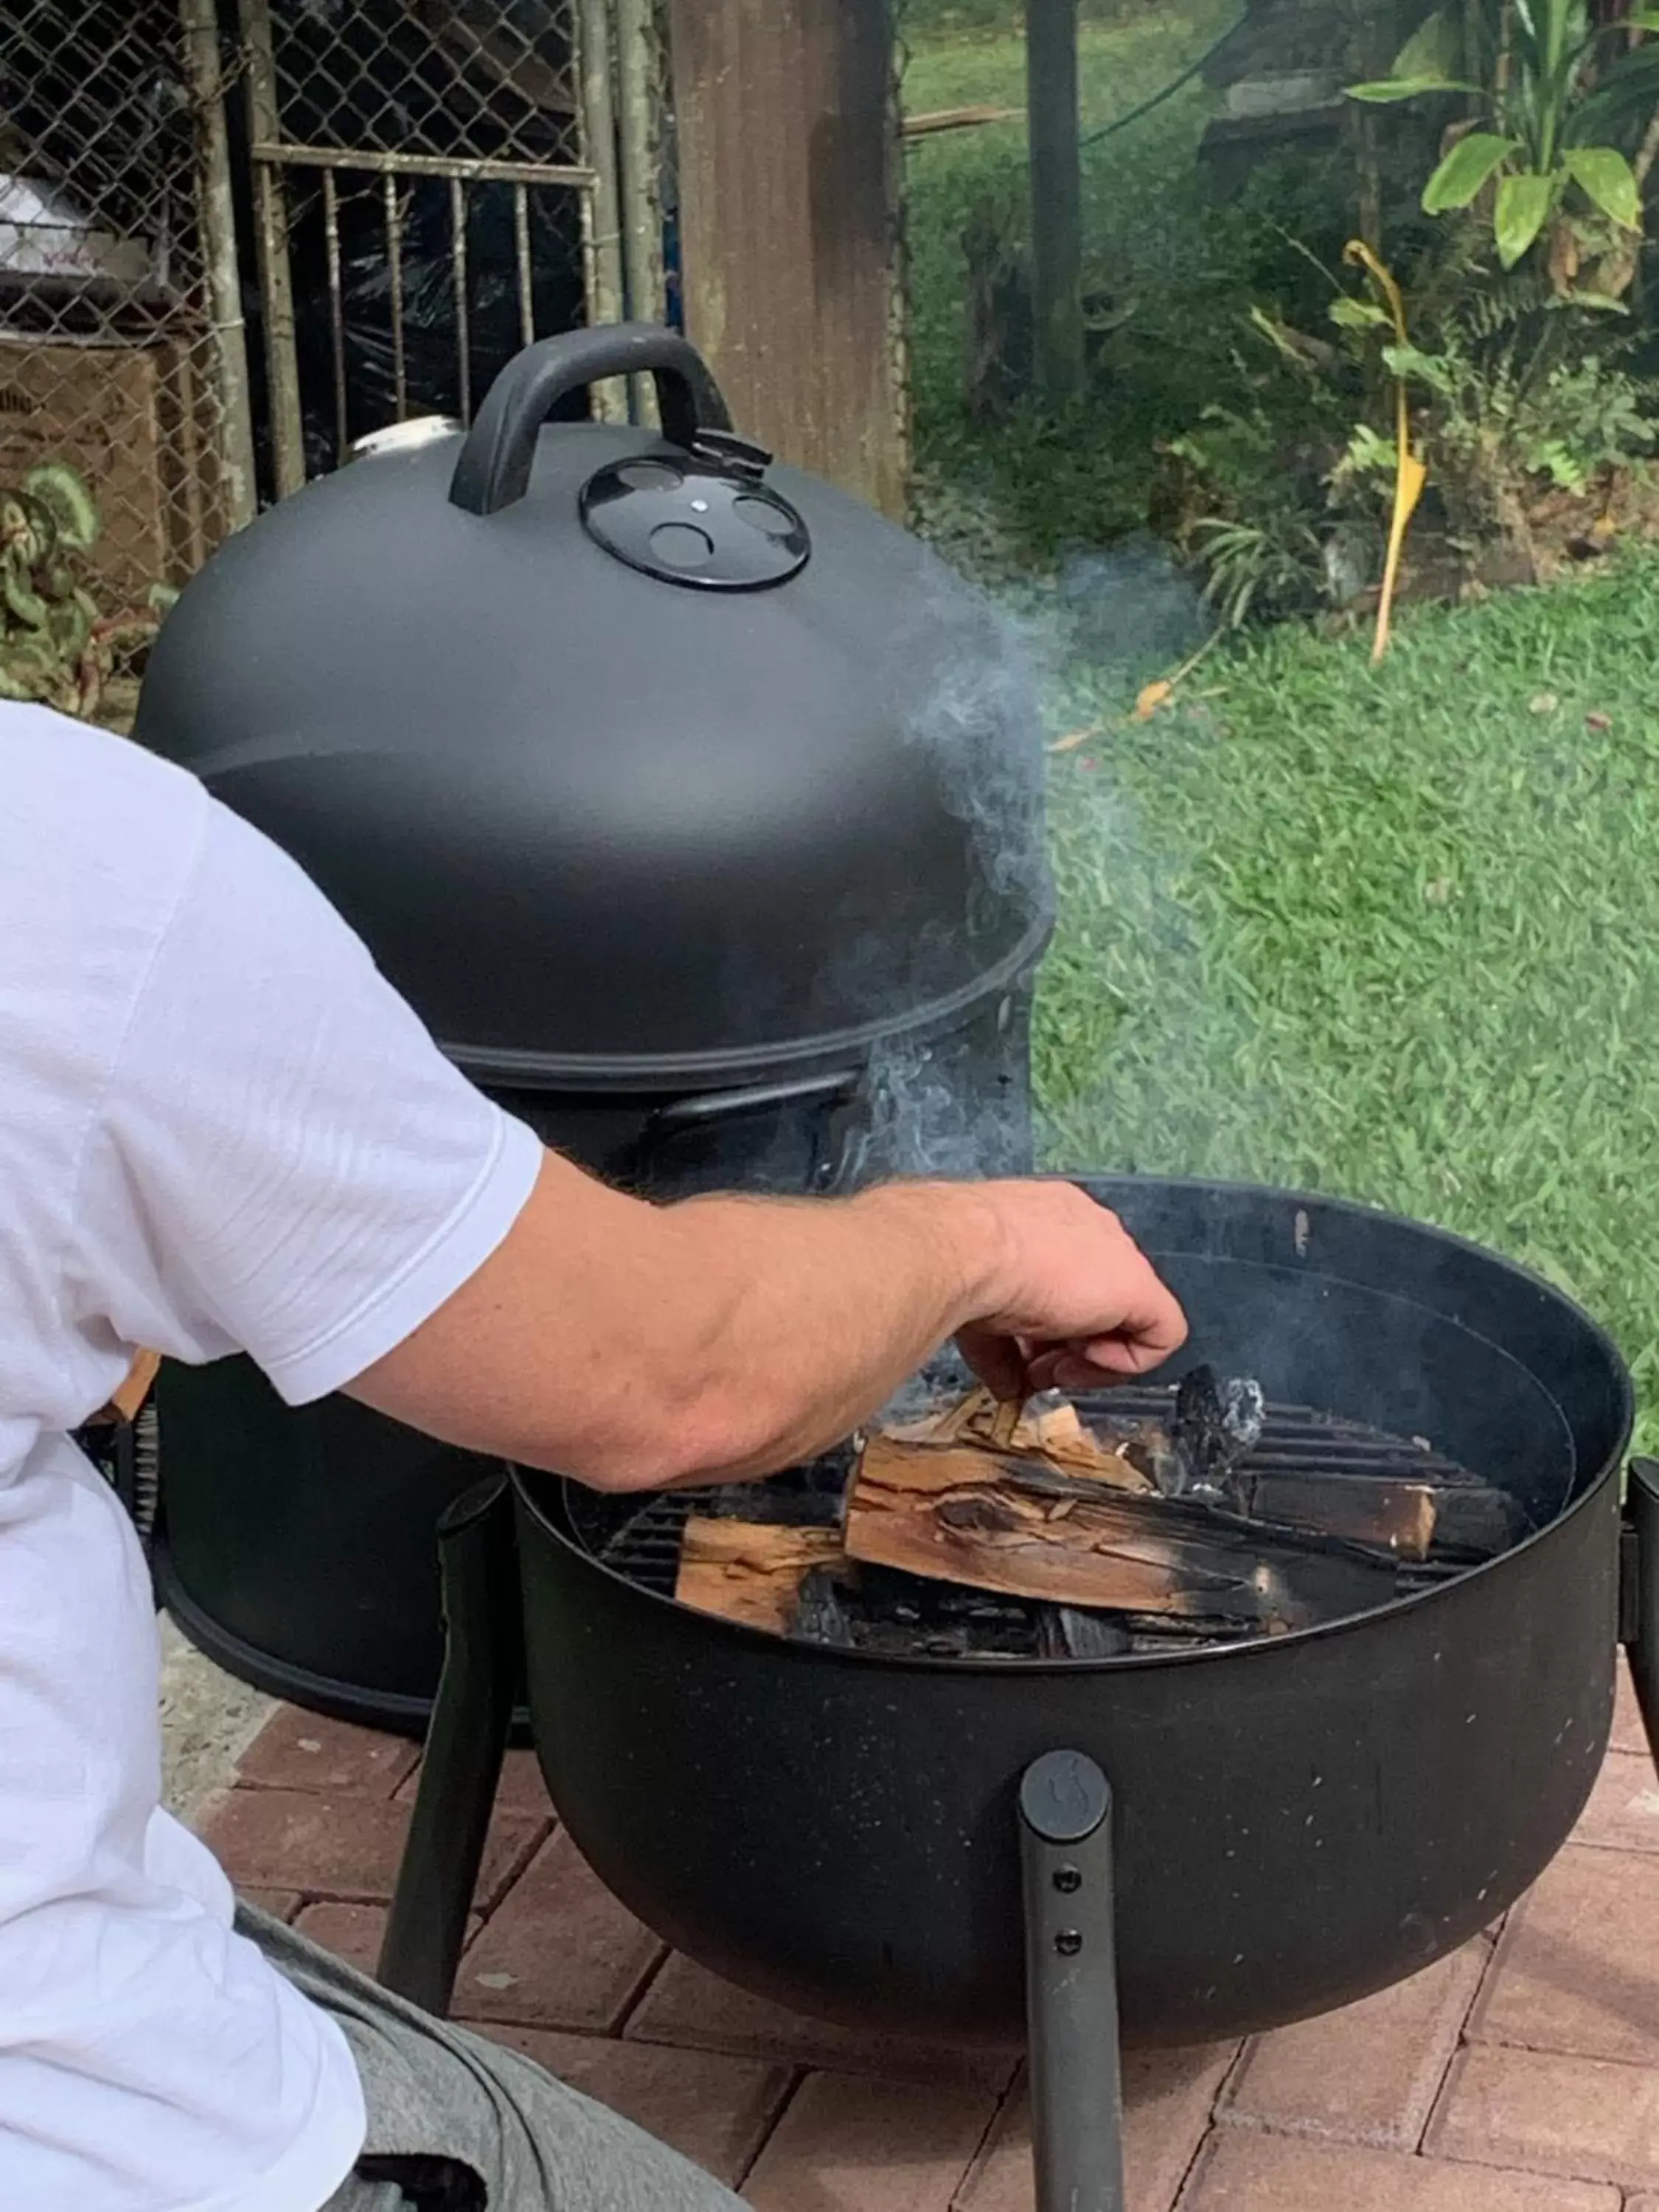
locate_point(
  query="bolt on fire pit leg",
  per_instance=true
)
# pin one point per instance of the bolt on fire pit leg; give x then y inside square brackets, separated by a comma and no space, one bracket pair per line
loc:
[1071,1986]
[465,1742]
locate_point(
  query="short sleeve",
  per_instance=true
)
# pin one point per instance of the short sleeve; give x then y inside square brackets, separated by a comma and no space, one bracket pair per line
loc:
[283,1163]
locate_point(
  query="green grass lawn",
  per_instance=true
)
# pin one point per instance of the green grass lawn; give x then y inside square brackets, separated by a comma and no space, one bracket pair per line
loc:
[1392,935]
[1389,934]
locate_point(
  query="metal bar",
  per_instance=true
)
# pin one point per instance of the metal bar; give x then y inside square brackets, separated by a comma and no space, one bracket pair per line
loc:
[336,314]
[465,1740]
[462,325]
[522,262]
[276,153]
[1071,1986]
[1638,1591]
[394,262]
[271,236]
[217,217]
[1056,195]
[638,194]
[601,206]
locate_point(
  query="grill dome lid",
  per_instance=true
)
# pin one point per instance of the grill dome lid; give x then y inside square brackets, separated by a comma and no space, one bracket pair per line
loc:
[635,759]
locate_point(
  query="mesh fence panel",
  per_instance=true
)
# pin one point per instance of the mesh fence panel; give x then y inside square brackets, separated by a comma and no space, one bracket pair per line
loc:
[422,188]
[490,79]
[405,199]
[106,352]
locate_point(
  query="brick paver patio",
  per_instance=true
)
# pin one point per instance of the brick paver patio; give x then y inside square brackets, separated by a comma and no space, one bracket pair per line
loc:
[1521,2075]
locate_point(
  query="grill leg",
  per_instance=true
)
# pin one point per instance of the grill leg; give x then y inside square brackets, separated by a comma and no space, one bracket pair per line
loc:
[465,1740]
[1071,1986]
[1638,1590]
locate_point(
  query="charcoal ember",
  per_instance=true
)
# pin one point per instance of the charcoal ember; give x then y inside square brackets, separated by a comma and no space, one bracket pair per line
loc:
[1212,1425]
[1067,1632]
[903,1616]
[823,1614]
[1245,1413]
[1477,1520]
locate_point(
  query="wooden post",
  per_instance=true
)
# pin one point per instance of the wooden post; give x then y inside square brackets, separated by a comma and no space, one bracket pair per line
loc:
[789,197]
[601,206]
[1056,195]
[216,217]
[270,242]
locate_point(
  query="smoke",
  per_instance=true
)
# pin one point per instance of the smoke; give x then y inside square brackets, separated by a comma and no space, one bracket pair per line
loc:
[978,720]
[979,685]
[1129,613]
[1038,662]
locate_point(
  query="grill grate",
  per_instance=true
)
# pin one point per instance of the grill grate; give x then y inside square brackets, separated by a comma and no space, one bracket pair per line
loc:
[909,1615]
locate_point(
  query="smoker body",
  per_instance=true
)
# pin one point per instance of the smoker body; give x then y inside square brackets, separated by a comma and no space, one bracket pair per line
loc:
[695,808]
[1298,1822]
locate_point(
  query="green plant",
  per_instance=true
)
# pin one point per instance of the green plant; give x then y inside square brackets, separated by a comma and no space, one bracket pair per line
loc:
[1510,399]
[57,647]
[1257,568]
[1559,93]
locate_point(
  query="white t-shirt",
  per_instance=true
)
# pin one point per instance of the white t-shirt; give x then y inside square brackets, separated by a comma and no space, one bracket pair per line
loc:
[220,1129]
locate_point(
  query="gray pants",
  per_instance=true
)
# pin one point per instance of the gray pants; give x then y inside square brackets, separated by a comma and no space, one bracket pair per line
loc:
[458,2124]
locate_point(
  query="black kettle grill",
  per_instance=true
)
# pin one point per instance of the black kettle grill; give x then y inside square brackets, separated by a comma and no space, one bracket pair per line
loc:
[1197,1845]
[695,808]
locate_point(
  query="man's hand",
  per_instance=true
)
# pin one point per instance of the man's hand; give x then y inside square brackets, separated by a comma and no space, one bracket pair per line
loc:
[638,1347]
[1080,1307]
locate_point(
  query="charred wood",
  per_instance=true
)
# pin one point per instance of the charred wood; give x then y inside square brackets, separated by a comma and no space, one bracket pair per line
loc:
[952,1511]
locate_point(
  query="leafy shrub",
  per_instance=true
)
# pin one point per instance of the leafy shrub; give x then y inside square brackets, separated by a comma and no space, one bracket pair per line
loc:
[57,647]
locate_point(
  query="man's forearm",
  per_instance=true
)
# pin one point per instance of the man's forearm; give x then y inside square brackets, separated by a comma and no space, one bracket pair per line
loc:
[636,1346]
[806,1317]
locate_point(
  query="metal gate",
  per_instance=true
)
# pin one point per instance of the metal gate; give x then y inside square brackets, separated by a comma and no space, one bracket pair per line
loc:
[435,184]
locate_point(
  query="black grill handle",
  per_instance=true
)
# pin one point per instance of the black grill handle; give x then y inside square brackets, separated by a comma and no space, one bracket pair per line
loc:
[836,1096]
[706,1106]
[492,469]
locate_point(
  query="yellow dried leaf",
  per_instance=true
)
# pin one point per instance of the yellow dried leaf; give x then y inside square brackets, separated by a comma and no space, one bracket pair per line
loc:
[1074,738]
[1151,697]
[1413,477]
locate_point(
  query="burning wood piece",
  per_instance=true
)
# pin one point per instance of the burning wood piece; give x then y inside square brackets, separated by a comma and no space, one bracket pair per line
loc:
[752,1571]
[1047,1428]
[1396,1517]
[955,1512]
[1204,1453]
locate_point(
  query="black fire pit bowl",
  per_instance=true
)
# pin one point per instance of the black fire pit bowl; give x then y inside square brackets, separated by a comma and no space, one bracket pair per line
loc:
[1296,1823]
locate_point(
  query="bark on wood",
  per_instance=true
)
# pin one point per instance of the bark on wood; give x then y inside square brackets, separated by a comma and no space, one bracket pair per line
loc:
[956,1513]
[750,1571]
[1049,1428]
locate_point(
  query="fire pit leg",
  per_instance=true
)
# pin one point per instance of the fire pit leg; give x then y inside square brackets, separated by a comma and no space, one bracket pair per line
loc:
[1071,1986]
[467,1739]
[1638,1590]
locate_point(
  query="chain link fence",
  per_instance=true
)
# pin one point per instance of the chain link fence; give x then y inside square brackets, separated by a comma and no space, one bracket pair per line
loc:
[238,235]
[108,354]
